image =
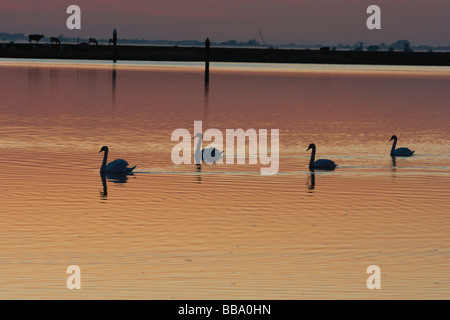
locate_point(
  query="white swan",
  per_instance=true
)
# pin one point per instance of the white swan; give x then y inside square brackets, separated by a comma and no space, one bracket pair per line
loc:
[209,155]
[323,164]
[400,152]
[118,165]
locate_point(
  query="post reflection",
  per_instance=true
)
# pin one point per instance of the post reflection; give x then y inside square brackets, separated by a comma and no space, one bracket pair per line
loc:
[113,87]
[206,102]
[198,167]
[35,76]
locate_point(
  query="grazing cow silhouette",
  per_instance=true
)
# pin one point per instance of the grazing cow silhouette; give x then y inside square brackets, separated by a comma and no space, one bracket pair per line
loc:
[93,41]
[54,40]
[35,37]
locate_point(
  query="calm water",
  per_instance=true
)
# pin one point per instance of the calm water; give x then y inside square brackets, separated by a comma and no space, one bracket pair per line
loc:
[173,232]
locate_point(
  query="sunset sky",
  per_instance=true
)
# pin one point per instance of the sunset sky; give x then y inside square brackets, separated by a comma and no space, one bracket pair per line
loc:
[281,21]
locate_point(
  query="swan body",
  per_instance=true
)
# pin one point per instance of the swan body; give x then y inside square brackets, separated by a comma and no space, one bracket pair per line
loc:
[116,166]
[206,154]
[323,164]
[399,152]
[211,152]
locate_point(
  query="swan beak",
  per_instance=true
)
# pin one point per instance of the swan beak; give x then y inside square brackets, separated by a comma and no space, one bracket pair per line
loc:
[390,139]
[308,148]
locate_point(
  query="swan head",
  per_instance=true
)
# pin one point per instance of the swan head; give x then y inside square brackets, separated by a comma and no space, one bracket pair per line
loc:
[198,135]
[394,137]
[311,146]
[104,148]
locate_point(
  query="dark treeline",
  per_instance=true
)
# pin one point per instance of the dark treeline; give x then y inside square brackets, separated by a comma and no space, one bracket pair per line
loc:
[221,54]
[8,38]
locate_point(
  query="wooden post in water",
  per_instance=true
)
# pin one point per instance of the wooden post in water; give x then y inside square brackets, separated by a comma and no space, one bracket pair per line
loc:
[207,47]
[114,44]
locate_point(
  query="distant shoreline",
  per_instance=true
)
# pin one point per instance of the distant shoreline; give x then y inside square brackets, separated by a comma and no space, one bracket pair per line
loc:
[221,54]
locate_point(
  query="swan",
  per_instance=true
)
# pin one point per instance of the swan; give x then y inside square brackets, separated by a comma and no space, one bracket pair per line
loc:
[209,155]
[400,152]
[323,164]
[117,166]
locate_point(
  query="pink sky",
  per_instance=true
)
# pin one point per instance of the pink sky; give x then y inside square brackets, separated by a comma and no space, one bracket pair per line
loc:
[281,21]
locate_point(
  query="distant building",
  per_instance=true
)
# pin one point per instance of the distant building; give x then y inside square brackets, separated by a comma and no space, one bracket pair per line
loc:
[373,48]
[401,45]
[359,46]
[406,47]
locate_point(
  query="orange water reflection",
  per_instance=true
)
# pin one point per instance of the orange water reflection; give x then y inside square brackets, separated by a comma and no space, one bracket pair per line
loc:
[223,231]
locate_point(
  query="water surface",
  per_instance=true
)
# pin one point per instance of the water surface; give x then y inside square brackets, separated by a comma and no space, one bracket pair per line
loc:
[224,232]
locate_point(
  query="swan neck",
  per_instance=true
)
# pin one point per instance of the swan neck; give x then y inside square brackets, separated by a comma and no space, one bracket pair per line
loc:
[198,153]
[393,147]
[313,156]
[105,159]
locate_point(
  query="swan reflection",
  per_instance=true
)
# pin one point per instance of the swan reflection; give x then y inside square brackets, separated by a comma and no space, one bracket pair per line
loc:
[394,162]
[112,177]
[199,170]
[394,166]
[312,181]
